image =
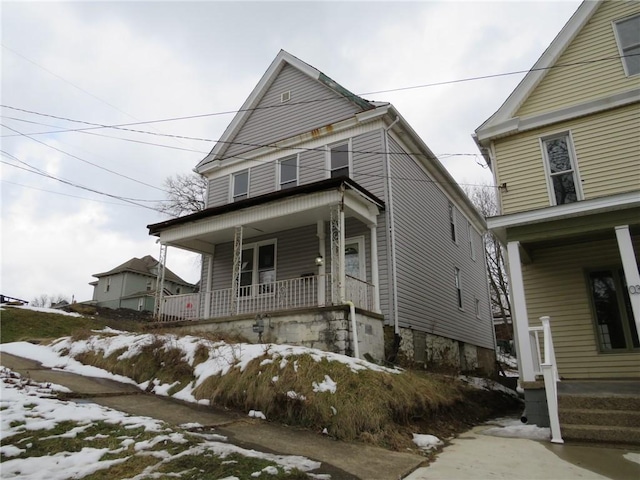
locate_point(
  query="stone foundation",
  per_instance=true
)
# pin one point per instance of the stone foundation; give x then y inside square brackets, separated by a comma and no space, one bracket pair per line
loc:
[326,328]
[444,354]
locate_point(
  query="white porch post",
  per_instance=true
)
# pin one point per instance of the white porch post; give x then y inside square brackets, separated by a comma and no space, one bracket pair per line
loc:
[322,289]
[375,278]
[341,270]
[160,280]
[207,291]
[519,313]
[630,268]
[237,267]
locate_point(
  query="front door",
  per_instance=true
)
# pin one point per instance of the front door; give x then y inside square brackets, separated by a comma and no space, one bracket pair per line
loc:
[354,258]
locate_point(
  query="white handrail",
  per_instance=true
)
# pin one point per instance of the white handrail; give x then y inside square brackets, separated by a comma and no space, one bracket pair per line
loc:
[549,370]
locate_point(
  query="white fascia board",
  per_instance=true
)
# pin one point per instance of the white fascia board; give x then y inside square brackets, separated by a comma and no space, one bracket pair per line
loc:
[247,216]
[531,80]
[254,98]
[364,210]
[522,124]
[559,212]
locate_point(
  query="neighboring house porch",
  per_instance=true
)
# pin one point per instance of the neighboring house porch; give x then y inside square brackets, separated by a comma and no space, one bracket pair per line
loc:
[302,250]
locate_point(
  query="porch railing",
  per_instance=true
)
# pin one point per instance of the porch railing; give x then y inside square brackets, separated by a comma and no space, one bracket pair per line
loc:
[544,363]
[266,297]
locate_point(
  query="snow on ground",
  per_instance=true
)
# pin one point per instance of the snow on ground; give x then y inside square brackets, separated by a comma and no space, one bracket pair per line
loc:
[486,384]
[29,406]
[427,442]
[45,310]
[632,457]
[222,358]
[513,428]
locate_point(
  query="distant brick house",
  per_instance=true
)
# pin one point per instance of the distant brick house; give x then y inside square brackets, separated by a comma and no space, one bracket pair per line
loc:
[133,285]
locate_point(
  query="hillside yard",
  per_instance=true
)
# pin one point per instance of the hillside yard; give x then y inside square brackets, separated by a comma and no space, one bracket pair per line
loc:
[345,398]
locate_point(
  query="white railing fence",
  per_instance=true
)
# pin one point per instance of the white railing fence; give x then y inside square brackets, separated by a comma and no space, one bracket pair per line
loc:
[544,363]
[301,292]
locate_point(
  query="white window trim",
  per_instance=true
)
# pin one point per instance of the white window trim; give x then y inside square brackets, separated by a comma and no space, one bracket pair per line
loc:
[574,162]
[141,304]
[362,254]
[328,156]
[614,25]
[472,247]
[107,285]
[278,171]
[255,277]
[457,282]
[232,177]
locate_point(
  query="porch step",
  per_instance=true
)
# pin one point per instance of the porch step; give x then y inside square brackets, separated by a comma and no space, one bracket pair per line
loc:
[604,417]
[601,433]
[588,416]
[600,402]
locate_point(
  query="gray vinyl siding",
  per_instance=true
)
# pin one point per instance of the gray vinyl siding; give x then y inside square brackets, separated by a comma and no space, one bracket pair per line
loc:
[295,255]
[218,191]
[368,162]
[312,166]
[299,115]
[427,257]
[262,179]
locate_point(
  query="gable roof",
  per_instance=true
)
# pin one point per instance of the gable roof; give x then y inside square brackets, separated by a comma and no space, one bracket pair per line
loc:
[143,266]
[539,70]
[282,59]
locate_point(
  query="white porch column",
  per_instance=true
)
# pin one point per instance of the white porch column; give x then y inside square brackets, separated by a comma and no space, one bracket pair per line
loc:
[207,290]
[237,267]
[519,313]
[630,268]
[322,289]
[162,260]
[375,278]
[341,271]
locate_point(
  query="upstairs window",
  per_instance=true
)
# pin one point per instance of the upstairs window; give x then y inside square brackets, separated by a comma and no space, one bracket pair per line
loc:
[560,164]
[288,172]
[627,33]
[240,184]
[339,160]
[452,222]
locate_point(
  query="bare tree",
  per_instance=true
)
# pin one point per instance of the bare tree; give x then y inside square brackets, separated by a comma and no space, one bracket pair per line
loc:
[186,194]
[41,300]
[484,199]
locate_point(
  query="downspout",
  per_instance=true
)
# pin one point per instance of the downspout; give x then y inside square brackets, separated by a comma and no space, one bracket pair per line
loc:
[354,327]
[391,229]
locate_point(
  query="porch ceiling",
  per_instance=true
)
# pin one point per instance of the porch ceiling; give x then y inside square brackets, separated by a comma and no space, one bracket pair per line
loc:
[294,211]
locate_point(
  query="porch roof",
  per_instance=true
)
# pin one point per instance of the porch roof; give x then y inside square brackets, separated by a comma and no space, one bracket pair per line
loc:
[269,213]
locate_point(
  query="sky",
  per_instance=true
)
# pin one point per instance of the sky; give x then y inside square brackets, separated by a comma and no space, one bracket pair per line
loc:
[114,63]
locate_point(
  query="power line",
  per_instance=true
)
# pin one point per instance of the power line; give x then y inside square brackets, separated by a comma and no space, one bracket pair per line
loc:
[42,173]
[65,194]
[83,160]
[333,98]
[102,135]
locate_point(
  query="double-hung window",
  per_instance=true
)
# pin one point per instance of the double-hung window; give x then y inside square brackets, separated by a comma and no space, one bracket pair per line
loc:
[560,165]
[258,268]
[627,33]
[339,160]
[240,185]
[288,172]
[458,280]
[452,222]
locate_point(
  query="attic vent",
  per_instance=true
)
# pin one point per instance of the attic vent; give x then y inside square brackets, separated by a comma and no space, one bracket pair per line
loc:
[285,96]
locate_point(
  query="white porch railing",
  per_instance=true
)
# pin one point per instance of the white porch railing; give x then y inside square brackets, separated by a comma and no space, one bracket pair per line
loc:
[267,297]
[547,367]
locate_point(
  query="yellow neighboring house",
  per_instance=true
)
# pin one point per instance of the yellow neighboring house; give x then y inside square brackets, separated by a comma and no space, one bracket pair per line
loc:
[564,149]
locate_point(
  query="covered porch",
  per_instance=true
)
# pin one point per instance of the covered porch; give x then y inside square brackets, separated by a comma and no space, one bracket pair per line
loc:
[310,246]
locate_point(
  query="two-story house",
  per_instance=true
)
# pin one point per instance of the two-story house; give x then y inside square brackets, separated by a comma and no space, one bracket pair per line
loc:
[133,285]
[327,218]
[565,152]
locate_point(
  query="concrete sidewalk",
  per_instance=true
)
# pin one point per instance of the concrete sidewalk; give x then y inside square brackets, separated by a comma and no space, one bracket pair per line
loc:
[343,461]
[475,455]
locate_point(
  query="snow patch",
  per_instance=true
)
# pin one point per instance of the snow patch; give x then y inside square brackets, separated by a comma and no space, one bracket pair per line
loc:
[327,385]
[427,442]
[257,414]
